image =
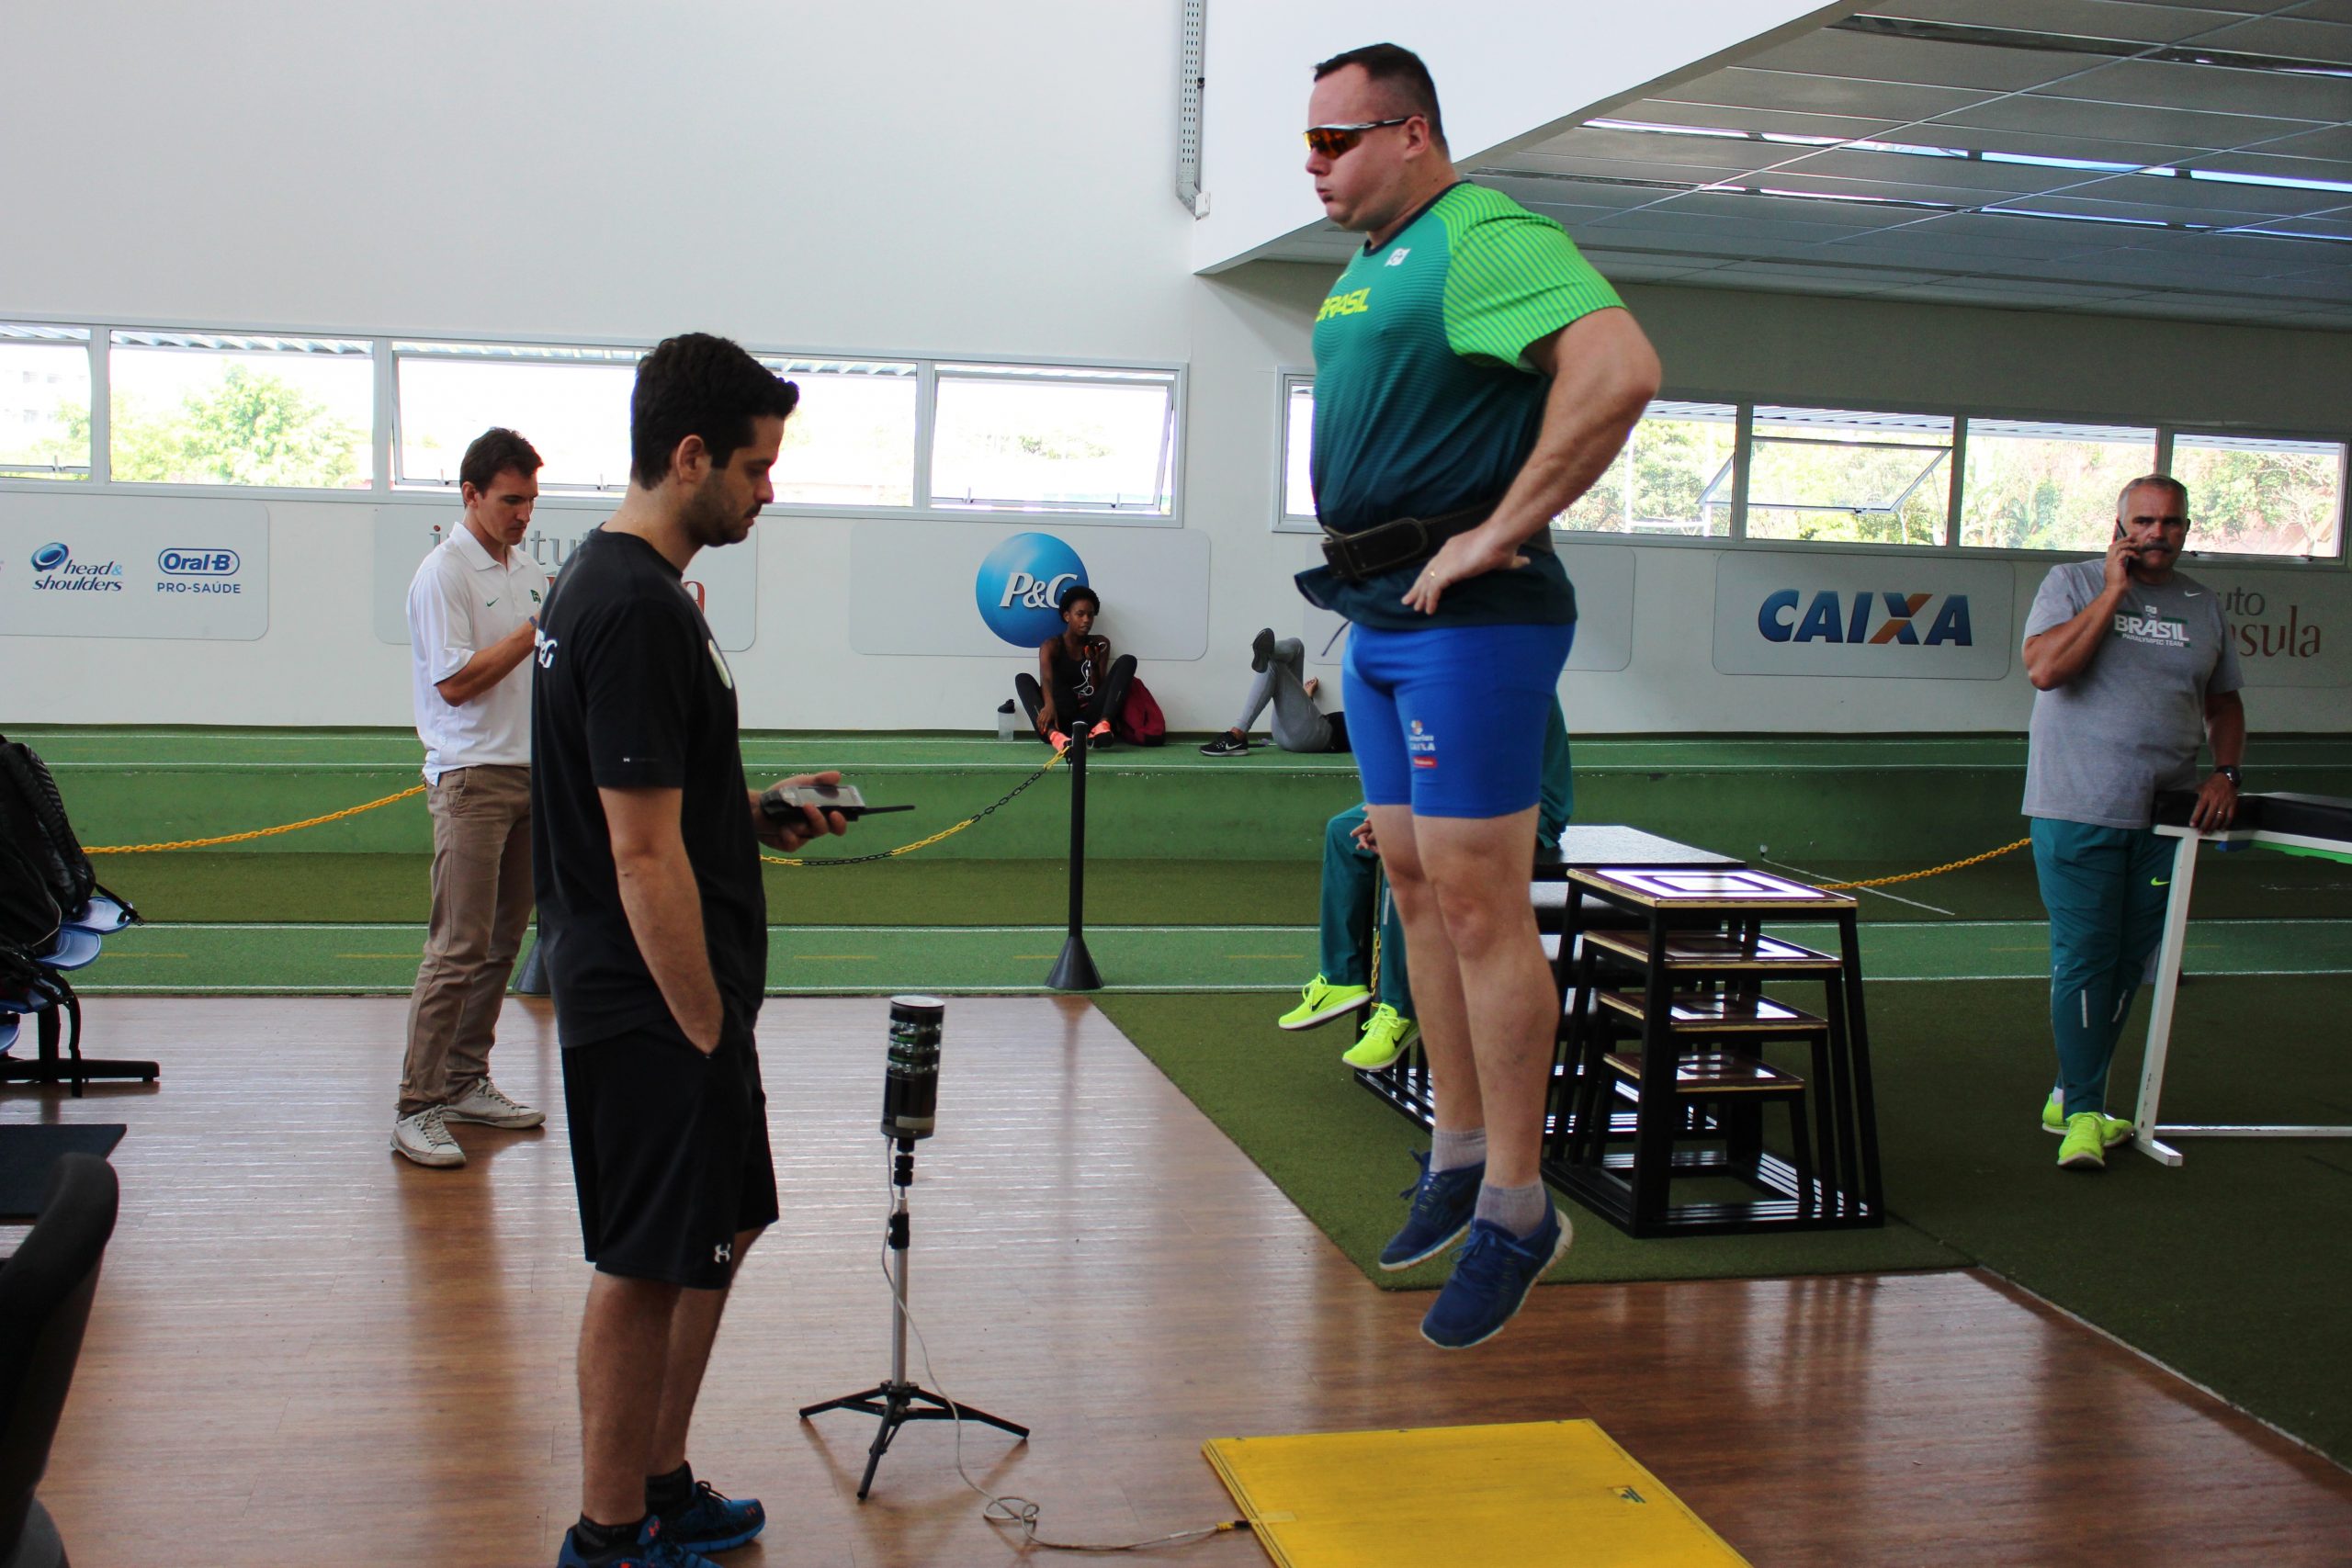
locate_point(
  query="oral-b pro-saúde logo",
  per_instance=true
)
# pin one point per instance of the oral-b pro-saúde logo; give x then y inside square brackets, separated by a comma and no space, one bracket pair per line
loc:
[1019,584]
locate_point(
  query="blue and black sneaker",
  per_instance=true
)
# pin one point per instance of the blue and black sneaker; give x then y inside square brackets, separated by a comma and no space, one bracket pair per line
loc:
[1444,1202]
[713,1521]
[1491,1280]
[654,1549]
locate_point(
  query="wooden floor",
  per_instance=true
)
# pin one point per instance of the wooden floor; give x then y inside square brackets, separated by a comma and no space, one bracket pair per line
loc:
[308,1351]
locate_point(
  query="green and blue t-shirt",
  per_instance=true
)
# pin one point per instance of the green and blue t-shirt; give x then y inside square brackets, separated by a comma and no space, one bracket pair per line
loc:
[1424,401]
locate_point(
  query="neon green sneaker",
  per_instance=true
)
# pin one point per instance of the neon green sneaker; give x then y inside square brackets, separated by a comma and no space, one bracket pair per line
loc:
[2113,1130]
[1321,1001]
[2086,1144]
[1387,1033]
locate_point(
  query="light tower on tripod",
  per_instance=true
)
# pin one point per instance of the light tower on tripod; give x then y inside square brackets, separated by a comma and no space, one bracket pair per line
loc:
[909,1110]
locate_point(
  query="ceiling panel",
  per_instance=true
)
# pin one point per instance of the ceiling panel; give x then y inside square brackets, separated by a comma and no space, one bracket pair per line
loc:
[2081,18]
[2153,84]
[1870,57]
[2181,127]
[2295,38]
[2334,141]
[1734,117]
[1825,95]
[1660,166]
[2203,201]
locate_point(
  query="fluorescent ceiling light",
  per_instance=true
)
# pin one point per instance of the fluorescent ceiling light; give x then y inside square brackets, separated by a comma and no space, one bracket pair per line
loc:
[2030,160]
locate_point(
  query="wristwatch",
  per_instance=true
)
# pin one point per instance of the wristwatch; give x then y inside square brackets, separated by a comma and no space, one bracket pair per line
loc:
[2229,772]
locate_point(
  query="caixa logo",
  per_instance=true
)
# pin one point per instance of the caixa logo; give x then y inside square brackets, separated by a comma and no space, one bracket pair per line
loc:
[1020,587]
[1872,618]
[197,563]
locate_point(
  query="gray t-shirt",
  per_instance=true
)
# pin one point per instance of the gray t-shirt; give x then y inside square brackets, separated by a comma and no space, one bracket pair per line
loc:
[2132,722]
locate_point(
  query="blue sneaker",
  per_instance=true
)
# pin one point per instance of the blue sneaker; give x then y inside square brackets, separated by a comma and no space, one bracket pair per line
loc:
[653,1549]
[1491,1280]
[1444,1202]
[713,1521]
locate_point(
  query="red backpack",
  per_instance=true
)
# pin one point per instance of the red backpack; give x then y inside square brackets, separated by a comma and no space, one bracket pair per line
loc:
[1140,721]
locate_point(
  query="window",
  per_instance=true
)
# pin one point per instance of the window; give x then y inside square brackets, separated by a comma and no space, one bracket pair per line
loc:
[570,404]
[188,408]
[1673,476]
[1837,474]
[2034,486]
[851,440]
[1034,438]
[2250,496]
[44,403]
[1298,450]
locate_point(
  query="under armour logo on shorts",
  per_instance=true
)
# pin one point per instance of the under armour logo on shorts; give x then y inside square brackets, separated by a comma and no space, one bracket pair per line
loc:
[723,1253]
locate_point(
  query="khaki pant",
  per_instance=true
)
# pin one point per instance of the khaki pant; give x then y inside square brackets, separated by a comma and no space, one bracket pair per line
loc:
[481,902]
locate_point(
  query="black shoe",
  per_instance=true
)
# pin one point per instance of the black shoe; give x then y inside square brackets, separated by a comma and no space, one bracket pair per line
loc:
[1227,745]
[1261,650]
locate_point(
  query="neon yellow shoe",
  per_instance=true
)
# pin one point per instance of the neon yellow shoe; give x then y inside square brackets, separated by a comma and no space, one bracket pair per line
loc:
[1320,1001]
[2086,1144]
[1387,1034]
[2113,1130]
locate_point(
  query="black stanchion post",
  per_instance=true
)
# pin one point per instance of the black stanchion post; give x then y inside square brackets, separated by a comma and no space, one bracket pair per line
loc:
[1074,970]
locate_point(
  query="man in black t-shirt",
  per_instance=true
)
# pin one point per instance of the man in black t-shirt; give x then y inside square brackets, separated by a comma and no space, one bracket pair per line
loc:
[654,925]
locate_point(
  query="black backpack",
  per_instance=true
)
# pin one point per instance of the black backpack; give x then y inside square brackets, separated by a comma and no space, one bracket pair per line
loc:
[32,818]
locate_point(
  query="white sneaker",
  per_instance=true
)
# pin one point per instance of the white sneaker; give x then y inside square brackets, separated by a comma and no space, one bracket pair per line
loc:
[423,1139]
[487,1104]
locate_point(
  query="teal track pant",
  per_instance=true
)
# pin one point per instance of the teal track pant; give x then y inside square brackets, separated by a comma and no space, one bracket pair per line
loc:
[2106,890]
[1350,885]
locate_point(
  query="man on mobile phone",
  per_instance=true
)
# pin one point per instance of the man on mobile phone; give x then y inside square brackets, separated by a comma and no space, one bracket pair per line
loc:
[2133,669]
[654,923]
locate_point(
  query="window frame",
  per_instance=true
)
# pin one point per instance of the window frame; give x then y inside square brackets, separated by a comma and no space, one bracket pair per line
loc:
[68,479]
[385,487]
[1954,459]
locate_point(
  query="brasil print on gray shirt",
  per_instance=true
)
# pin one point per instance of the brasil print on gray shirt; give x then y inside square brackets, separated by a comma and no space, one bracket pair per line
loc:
[2134,721]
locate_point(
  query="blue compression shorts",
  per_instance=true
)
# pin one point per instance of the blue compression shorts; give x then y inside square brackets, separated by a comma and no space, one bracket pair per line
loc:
[1450,720]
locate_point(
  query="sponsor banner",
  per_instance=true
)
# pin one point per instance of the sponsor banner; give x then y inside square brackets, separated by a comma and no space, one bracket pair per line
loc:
[965,589]
[724,581]
[1793,612]
[2293,629]
[114,566]
[1604,577]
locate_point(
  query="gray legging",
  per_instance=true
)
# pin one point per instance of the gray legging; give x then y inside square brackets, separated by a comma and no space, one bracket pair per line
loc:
[1297,726]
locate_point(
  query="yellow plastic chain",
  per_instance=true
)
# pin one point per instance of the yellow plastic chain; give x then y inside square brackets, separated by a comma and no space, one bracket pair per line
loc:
[1931,871]
[257,833]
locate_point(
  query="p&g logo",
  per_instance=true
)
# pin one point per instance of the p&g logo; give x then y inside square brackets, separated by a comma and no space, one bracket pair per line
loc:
[197,563]
[1020,586]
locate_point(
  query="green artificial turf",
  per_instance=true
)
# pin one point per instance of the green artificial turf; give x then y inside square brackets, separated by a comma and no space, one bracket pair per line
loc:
[211,885]
[2232,1269]
[201,885]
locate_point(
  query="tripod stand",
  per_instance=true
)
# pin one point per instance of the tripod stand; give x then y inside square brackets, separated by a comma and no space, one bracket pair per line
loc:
[901,1400]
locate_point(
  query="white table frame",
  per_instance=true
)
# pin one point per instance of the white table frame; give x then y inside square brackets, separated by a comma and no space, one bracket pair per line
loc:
[2148,1133]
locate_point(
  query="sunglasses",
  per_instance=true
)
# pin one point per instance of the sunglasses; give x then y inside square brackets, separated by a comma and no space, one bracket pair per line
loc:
[1331,140]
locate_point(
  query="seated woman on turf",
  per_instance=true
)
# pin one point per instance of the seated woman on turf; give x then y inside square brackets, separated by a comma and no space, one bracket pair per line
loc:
[1078,686]
[1282,680]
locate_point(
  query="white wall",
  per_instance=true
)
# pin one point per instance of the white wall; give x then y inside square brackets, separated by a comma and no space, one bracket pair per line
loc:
[942,178]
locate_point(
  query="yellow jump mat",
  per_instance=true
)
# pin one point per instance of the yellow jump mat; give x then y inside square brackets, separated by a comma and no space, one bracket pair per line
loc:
[1535,1493]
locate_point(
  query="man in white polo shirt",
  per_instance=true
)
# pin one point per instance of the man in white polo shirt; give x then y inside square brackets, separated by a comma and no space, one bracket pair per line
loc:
[472,611]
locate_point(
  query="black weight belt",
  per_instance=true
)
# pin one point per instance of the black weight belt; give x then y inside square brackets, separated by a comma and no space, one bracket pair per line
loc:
[1407,541]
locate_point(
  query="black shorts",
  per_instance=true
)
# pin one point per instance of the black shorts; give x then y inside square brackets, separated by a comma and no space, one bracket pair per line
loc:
[669,1153]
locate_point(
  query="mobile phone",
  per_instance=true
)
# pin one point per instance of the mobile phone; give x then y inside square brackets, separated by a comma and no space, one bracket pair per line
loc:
[782,802]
